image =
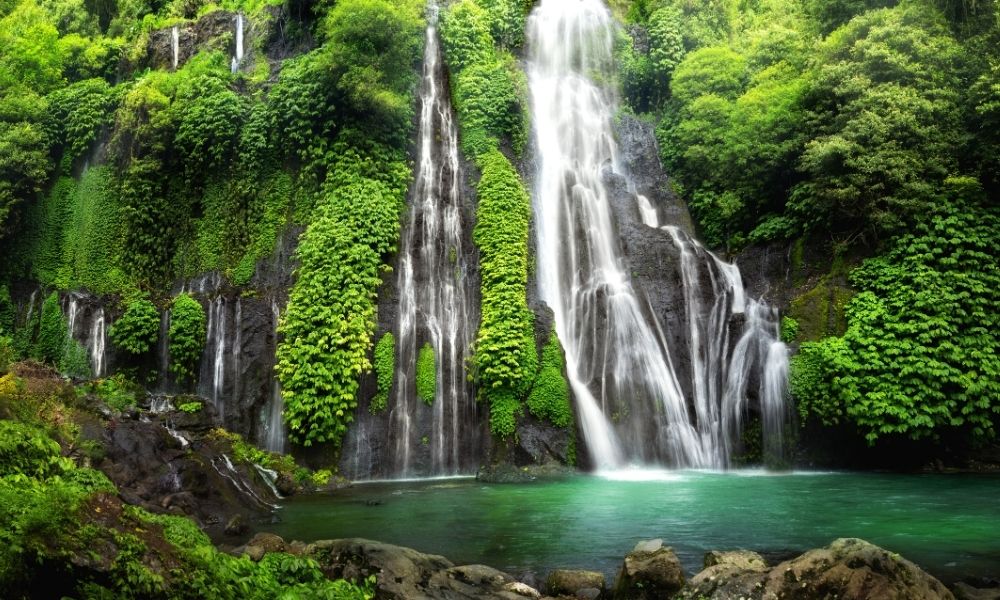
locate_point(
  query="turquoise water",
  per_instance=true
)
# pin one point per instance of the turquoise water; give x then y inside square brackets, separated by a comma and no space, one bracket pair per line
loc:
[948,524]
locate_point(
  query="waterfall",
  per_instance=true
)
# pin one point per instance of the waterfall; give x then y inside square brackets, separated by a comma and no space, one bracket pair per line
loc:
[274,426]
[175,35]
[97,343]
[216,341]
[630,394]
[72,312]
[434,286]
[238,57]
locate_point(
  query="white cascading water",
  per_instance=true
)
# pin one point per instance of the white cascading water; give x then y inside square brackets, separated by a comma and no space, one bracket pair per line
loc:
[630,399]
[275,438]
[97,343]
[175,42]
[216,334]
[238,57]
[434,304]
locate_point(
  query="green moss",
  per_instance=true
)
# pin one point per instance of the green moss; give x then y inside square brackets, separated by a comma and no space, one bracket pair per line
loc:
[385,368]
[190,407]
[819,312]
[550,398]
[426,374]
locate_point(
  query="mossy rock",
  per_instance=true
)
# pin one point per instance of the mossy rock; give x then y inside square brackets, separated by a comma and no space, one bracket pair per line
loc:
[820,310]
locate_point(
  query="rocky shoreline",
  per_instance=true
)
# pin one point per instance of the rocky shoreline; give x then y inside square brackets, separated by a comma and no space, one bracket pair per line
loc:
[847,569]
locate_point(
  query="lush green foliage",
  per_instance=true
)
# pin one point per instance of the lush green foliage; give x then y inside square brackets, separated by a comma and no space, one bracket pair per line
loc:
[51,331]
[426,374]
[331,310]
[489,89]
[550,397]
[186,335]
[919,354]
[138,328]
[385,369]
[118,391]
[505,355]
[63,528]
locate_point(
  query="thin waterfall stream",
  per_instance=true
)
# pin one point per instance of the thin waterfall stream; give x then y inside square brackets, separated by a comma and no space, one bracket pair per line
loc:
[629,384]
[435,307]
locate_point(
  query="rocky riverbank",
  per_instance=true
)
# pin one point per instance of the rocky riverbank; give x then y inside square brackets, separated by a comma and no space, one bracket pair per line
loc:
[847,569]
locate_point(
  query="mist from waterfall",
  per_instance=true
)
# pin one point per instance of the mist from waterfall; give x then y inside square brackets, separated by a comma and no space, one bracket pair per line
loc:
[634,405]
[434,290]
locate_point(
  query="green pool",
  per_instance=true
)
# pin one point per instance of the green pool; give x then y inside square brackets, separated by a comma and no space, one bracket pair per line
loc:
[948,524]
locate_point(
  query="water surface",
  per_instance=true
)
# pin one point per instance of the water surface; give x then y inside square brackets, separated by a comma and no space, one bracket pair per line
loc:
[947,524]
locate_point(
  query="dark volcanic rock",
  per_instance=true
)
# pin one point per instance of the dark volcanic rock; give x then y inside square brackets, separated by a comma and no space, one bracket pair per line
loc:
[179,472]
[540,443]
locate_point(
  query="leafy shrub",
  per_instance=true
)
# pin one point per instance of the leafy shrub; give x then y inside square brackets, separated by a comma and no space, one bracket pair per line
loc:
[186,335]
[385,369]
[27,450]
[917,357]
[138,328]
[75,359]
[118,392]
[77,112]
[7,353]
[505,355]
[789,329]
[190,407]
[550,398]
[426,374]
[331,310]
[51,331]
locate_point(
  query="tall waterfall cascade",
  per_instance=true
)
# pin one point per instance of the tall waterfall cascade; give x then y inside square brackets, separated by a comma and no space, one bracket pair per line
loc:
[175,41]
[640,401]
[238,55]
[434,293]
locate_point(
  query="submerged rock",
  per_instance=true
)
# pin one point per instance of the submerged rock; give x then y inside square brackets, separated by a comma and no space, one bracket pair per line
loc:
[651,570]
[847,569]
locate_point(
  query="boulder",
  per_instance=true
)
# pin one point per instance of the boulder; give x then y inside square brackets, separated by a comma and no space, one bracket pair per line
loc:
[404,573]
[847,569]
[564,582]
[964,591]
[651,570]
[739,559]
[268,541]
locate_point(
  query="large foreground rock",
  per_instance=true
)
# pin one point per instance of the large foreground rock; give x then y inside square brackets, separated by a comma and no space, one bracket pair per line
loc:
[650,571]
[847,569]
[406,574]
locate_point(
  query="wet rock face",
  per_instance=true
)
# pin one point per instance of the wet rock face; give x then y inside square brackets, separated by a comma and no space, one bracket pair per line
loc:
[650,571]
[178,471]
[847,569]
[214,31]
